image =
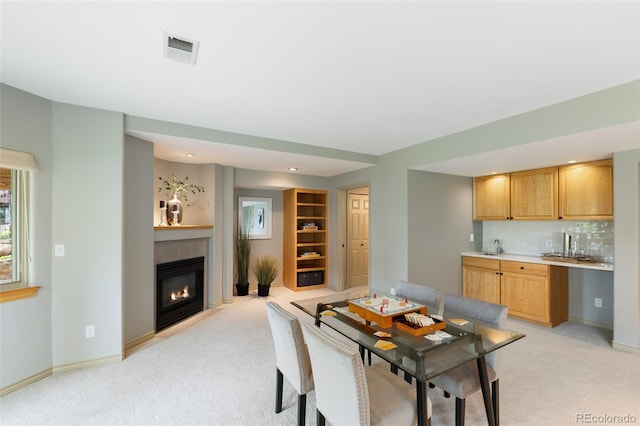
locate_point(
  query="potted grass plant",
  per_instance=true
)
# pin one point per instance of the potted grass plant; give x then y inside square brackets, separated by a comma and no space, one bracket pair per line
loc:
[243,259]
[266,269]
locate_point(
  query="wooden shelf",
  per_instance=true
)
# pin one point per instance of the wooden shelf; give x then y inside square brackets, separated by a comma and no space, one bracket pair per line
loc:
[301,207]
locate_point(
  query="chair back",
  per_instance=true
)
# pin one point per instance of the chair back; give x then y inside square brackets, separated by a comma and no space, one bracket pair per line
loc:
[478,310]
[292,356]
[342,395]
[429,296]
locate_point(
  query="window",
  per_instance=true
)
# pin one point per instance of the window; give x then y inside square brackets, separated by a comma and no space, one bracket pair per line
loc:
[11,243]
[15,168]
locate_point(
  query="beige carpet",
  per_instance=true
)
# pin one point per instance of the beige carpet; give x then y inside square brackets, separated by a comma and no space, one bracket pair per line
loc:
[219,370]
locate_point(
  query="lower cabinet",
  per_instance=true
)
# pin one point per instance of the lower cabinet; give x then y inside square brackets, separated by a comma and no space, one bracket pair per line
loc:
[533,292]
[481,278]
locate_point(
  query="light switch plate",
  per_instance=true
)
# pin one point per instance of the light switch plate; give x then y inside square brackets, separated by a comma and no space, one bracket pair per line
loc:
[59,250]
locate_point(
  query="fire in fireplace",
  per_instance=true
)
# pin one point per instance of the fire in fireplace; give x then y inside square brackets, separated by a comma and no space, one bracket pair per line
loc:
[179,291]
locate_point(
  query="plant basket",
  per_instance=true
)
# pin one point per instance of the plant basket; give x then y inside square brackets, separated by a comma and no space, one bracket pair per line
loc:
[242,289]
[263,289]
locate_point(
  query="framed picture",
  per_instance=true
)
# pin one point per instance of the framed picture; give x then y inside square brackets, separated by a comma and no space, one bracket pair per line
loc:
[254,217]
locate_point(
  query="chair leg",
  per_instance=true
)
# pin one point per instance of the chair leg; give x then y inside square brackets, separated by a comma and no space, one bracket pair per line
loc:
[496,401]
[460,406]
[302,409]
[320,418]
[408,378]
[279,379]
[369,357]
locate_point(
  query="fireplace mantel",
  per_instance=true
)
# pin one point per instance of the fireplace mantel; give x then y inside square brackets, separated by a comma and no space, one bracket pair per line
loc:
[182,232]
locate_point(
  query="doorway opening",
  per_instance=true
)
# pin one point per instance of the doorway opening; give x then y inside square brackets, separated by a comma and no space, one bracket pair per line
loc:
[357,237]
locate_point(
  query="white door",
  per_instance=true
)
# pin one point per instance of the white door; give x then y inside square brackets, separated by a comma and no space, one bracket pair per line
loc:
[358,239]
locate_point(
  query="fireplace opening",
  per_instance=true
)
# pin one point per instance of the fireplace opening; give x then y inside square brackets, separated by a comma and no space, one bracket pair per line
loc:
[179,291]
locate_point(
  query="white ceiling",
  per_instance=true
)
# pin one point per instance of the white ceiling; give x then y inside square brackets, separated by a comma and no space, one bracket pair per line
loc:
[366,77]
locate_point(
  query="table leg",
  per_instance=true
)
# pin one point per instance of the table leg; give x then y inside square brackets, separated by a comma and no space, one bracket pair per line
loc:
[319,309]
[421,401]
[486,391]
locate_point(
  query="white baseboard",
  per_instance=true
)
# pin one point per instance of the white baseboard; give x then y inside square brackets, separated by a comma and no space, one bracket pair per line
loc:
[625,348]
[85,364]
[25,382]
[138,341]
[591,323]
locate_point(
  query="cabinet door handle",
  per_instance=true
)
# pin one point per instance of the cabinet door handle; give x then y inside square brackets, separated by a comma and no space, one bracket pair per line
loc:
[522,267]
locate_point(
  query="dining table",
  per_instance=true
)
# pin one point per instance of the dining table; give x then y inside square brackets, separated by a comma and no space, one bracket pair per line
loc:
[421,355]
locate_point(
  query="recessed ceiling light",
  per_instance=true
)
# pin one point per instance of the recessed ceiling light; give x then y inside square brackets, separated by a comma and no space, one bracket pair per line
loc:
[572,161]
[293,169]
[190,154]
[494,173]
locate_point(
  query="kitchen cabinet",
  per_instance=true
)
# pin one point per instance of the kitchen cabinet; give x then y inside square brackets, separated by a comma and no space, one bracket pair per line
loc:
[581,191]
[535,292]
[492,197]
[534,194]
[586,191]
[481,278]
[304,260]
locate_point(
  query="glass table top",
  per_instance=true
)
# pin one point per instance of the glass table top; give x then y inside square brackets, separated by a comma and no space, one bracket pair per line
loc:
[418,355]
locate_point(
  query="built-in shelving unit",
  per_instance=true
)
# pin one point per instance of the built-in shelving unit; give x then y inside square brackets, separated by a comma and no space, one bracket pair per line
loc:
[305,239]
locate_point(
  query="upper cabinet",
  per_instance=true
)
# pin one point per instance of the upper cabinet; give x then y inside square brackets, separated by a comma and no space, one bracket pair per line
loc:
[492,197]
[586,191]
[534,194]
[575,192]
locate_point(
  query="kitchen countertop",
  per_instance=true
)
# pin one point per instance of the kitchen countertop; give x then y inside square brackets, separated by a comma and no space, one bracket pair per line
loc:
[599,266]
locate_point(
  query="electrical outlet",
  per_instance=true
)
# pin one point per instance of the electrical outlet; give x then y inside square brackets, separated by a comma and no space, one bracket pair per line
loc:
[549,243]
[598,302]
[90,331]
[471,238]
[392,291]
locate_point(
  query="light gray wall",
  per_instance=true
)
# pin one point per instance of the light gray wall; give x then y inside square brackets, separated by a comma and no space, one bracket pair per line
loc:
[584,286]
[626,280]
[266,247]
[25,325]
[139,285]
[87,214]
[439,227]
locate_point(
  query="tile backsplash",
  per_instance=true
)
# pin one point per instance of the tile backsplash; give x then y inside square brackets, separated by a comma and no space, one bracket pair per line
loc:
[593,238]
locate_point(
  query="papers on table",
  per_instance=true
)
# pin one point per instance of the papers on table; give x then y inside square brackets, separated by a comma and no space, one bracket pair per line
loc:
[438,336]
[459,321]
[385,345]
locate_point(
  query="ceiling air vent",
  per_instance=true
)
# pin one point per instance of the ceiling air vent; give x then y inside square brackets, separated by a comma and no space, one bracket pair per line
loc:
[179,48]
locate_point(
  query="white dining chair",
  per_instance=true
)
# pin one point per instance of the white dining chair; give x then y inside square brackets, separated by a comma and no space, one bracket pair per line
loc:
[292,357]
[348,394]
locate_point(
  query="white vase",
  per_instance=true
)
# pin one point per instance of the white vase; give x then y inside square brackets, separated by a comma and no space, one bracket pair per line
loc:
[174,210]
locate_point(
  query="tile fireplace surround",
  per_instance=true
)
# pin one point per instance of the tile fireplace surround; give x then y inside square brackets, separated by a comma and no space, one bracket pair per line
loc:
[172,245]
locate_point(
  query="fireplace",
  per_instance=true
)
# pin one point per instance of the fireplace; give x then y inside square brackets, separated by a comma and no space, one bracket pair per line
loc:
[179,291]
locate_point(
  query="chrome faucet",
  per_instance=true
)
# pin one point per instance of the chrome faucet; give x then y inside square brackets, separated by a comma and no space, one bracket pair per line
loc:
[498,246]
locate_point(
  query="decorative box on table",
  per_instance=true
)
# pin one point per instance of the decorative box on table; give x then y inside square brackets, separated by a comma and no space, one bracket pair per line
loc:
[384,309]
[415,329]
